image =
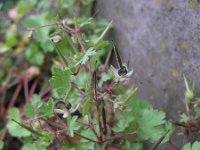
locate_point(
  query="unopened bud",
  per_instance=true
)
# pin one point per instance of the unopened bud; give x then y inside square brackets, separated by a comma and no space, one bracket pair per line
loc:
[189,95]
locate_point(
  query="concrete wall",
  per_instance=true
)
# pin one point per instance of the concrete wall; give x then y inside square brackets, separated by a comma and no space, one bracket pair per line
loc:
[162,40]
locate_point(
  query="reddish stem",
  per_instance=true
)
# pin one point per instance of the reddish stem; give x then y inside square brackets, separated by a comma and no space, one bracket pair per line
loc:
[82,93]
[33,87]
[46,98]
[117,136]
[72,140]
[77,134]
[45,91]
[3,134]
[91,126]
[26,93]
[84,51]
[14,98]
[99,123]
[174,146]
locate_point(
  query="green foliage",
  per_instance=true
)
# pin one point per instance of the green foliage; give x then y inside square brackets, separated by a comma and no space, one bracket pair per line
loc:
[34,55]
[194,146]
[105,77]
[83,58]
[79,49]
[184,118]
[11,36]
[152,130]
[88,102]
[31,109]
[46,109]
[170,130]
[33,146]
[60,81]
[72,125]
[15,129]
[197,110]
[1,144]
[150,122]
[123,123]
[39,108]
[24,5]
[135,146]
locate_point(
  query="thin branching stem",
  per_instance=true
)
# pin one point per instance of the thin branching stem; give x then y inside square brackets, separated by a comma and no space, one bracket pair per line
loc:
[84,51]
[77,134]
[89,126]
[120,136]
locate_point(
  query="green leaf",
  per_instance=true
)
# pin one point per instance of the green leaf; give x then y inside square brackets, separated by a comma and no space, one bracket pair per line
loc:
[35,100]
[71,43]
[1,144]
[102,44]
[35,20]
[15,129]
[186,147]
[86,22]
[84,58]
[197,110]
[88,102]
[31,109]
[170,129]
[47,45]
[34,55]
[33,146]
[88,133]
[60,81]
[11,36]
[184,118]
[47,109]
[105,77]
[41,35]
[24,5]
[135,146]
[194,146]
[150,125]
[123,123]
[103,33]
[72,125]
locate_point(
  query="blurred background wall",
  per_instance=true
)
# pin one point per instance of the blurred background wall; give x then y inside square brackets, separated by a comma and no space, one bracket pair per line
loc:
[161,39]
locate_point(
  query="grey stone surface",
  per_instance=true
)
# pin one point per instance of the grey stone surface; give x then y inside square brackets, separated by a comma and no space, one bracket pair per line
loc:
[162,40]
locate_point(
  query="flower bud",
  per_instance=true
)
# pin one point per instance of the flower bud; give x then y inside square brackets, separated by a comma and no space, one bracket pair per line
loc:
[189,95]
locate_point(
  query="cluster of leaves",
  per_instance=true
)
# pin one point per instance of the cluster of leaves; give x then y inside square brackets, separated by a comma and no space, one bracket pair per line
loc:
[133,116]
[190,120]
[89,87]
[15,42]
